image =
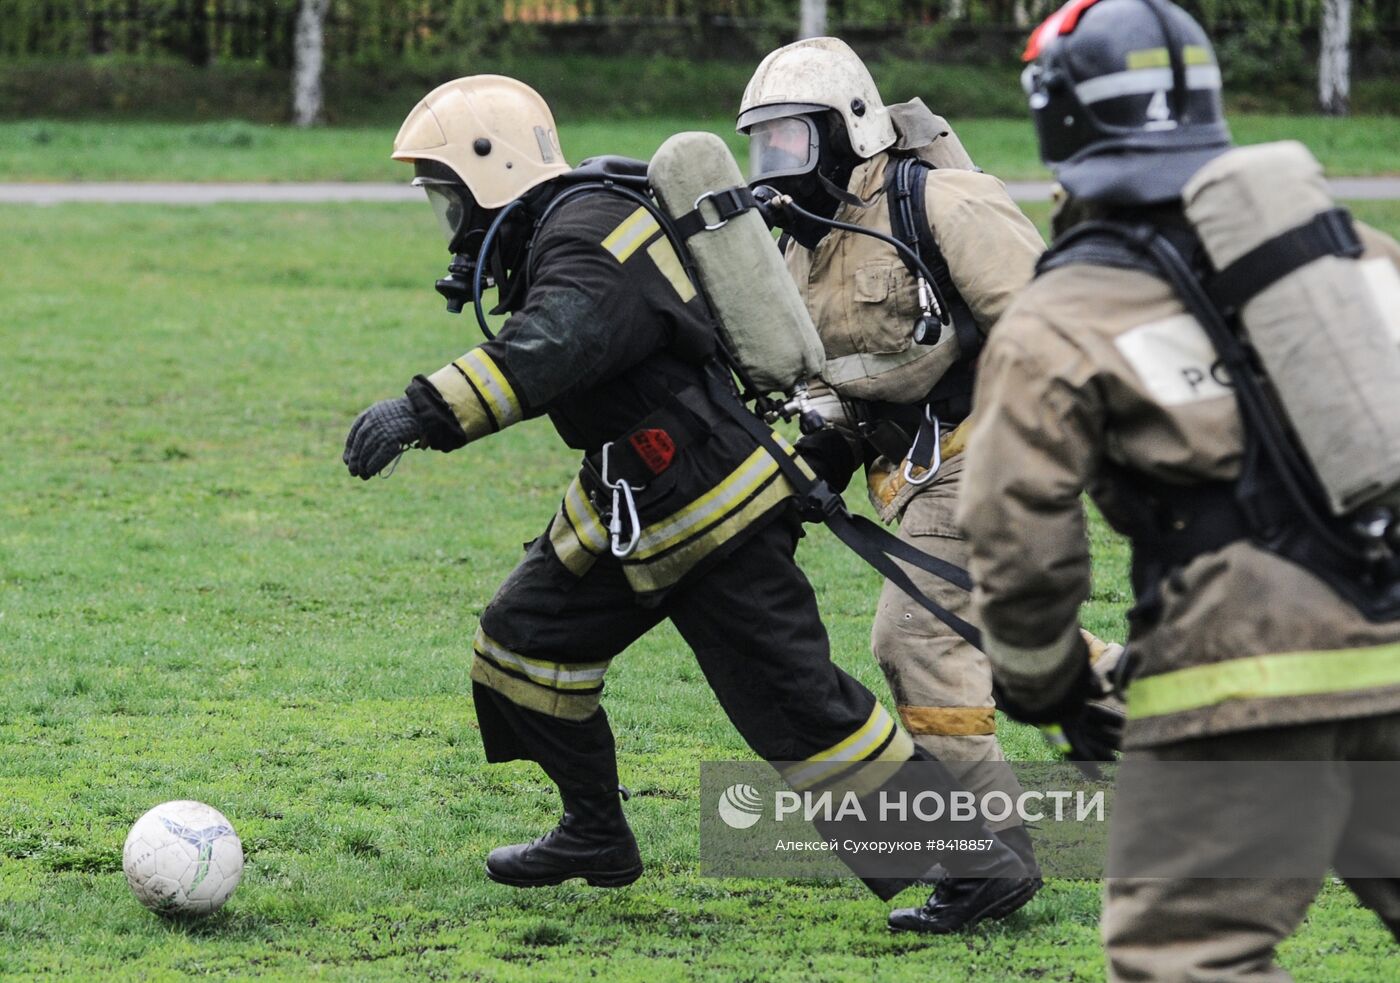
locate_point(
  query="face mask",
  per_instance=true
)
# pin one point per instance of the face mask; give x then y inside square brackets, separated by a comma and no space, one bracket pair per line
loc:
[784,147]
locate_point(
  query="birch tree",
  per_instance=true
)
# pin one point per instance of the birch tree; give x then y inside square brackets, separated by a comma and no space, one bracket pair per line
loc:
[307,61]
[813,19]
[1334,62]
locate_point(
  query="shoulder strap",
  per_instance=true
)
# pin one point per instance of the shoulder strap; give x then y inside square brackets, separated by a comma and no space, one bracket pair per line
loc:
[906,181]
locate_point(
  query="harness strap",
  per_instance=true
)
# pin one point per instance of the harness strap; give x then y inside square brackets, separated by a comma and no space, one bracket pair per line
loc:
[869,541]
[1276,502]
[1330,233]
[905,184]
[727,203]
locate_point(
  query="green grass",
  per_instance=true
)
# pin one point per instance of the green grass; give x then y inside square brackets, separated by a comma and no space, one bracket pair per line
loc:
[238,151]
[196,601]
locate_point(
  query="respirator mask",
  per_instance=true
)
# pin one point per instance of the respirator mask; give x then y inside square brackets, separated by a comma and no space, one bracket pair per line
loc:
[463,223]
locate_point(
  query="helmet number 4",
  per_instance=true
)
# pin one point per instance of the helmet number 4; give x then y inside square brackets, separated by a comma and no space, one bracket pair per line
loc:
[1158,110]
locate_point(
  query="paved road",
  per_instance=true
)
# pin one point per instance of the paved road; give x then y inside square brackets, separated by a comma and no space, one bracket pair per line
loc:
[1375,188]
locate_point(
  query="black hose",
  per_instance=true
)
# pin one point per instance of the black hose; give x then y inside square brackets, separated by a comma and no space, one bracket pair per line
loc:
[945,315]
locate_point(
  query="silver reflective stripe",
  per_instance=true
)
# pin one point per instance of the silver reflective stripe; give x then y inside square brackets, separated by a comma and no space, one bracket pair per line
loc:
[1140,81]
[738,486]
[858,746]
[551,674]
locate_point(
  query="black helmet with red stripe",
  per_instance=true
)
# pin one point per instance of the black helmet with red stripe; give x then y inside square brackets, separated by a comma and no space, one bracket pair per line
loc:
[1125,95]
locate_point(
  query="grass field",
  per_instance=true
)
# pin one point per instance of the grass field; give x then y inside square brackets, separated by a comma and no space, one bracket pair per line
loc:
[197,602]
[236,151]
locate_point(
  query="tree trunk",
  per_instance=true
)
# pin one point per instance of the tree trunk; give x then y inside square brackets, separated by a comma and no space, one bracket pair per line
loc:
[307,58]
[1334,64]
[813,22]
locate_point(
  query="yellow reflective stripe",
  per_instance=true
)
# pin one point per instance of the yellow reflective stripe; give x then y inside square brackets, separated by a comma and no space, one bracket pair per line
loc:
[873,733]
[666,260]
[587,524]
[482,370]
[865,777]
[568,548]
[462,400]
[623,241]
[663,571]
[1192,54]
[877,725]
[553,675]
[742,482]
[566,706]
[1262,677]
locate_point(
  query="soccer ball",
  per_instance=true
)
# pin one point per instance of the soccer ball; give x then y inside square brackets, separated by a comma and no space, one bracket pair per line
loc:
[182,858]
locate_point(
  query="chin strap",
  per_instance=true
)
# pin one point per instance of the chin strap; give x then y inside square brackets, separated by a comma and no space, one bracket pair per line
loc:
[841,194]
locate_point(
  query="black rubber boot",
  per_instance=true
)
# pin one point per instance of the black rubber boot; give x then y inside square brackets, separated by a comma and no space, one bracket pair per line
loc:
[1009,878]
[592,841]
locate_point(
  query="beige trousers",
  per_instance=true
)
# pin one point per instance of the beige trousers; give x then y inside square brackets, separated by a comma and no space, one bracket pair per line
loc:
[941,684]
[1165,929]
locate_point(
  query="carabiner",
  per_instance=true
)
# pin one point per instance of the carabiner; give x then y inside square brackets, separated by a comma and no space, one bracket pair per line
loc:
[621,491]
[930,425]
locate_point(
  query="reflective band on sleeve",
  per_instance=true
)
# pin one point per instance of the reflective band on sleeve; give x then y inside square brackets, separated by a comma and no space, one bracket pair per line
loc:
[463,401]
[664,256]
[486,377]
[587,524]
[1263,677]
[949,721]
[1141,81]
[570,552]
[635,229]
[1026,663]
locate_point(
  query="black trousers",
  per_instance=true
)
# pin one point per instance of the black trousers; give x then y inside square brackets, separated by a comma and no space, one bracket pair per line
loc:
[751,620]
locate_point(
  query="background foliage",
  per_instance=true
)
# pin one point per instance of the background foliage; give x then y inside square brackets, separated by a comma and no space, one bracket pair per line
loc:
[370,31]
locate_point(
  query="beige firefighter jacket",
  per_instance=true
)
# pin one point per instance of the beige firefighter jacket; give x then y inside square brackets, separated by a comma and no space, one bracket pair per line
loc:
[864,302]
[1093,366]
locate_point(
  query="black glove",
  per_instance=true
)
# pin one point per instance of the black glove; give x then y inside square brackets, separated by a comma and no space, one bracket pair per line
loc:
[380,434]
[831,455]
[1089,730]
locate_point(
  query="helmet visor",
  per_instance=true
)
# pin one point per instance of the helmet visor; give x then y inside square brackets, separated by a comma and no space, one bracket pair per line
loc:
[451,203]
[784,146]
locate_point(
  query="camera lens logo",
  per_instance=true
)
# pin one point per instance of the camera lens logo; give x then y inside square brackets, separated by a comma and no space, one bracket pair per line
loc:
[740,806]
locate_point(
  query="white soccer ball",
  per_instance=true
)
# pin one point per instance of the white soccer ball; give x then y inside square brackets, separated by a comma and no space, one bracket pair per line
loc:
[183,858]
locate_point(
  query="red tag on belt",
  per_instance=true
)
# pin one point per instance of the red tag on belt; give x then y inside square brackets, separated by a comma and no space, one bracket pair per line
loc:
[655,448]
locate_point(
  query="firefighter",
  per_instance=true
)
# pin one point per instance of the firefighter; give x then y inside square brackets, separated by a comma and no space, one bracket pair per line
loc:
[677,512]
[1251,638]
[895,377]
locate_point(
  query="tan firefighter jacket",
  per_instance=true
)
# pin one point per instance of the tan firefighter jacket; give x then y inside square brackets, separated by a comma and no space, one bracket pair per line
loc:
[864,302]
[1094,367]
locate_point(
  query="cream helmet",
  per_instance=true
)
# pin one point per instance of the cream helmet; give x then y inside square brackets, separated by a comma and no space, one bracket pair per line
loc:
[495,133]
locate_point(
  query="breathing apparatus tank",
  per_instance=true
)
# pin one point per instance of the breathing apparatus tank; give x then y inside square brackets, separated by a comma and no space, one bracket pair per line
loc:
[761,317]
[1326,331]
[928,136]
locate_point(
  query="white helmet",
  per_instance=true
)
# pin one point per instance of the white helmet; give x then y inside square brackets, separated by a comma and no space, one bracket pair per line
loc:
[495,133]
[814,75]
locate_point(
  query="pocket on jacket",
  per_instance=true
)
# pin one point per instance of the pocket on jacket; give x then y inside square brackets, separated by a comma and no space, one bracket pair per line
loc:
[877,320]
